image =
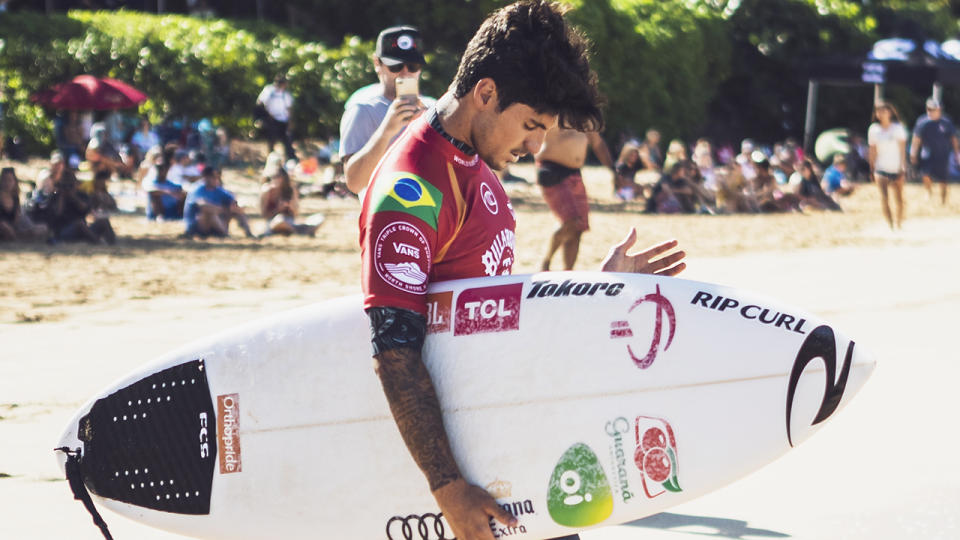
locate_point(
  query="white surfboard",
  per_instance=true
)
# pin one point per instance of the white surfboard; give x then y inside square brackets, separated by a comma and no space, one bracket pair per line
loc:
[578,399]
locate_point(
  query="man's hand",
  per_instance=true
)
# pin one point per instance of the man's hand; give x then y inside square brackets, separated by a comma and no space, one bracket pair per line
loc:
[645,262]
[468,510]
[402,111]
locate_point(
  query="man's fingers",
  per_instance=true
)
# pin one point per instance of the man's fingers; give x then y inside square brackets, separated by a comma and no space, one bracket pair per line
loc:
[653,251]
[667,261]
[627,241]
[672,271]
[501,515]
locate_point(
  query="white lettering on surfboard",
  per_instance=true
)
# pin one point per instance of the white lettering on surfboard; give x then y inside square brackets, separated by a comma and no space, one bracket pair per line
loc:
[228,425]
[204,437]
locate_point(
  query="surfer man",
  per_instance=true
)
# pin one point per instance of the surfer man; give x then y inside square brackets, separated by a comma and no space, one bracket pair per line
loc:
[435,211]
[564,151]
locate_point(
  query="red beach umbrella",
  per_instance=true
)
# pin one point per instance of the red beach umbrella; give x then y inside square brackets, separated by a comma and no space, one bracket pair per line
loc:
[86,92]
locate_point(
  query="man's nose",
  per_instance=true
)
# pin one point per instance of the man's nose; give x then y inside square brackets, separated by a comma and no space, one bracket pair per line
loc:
[534,142]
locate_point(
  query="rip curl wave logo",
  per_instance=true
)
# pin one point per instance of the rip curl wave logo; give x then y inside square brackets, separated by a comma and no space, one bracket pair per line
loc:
[621,329]
[579,494]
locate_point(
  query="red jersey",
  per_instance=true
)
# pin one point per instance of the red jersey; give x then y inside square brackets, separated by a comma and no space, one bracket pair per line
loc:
[431,213]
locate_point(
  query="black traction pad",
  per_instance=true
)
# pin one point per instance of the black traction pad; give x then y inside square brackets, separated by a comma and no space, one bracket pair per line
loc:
[154,443]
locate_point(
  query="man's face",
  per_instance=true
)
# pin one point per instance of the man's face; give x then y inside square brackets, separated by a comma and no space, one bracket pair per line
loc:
[933,114]
[502,137]
[388,78]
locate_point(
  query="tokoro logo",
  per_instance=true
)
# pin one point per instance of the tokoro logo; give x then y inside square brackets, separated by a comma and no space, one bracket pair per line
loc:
[419,527]
[488,309]
[547,288]
[621,329]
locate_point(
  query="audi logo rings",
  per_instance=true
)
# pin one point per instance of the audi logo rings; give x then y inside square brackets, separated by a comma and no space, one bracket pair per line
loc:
[418,527]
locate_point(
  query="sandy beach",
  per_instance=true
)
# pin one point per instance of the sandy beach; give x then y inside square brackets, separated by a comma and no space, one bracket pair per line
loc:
[73,318]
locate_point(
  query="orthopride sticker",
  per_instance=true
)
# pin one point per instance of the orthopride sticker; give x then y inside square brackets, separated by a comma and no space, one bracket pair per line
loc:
[228,433]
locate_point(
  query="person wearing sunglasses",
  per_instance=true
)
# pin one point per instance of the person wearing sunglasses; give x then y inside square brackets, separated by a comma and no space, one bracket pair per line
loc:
[934,139]
[374,116]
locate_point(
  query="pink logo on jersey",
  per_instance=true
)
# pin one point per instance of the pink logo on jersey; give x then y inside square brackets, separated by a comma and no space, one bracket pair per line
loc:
[488,309]
[489,199]
[402,257]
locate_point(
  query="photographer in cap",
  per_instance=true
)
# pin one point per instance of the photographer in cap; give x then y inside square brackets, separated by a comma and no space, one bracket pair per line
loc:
[934,139]
[374,116]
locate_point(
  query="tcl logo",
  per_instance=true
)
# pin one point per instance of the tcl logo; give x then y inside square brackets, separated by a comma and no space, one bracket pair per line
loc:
[488,309]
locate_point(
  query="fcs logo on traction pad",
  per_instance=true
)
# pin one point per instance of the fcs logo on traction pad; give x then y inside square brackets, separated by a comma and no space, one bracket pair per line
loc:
[579,494]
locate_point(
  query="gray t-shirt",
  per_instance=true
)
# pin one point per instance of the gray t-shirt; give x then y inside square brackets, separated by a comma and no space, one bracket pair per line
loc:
[362,115]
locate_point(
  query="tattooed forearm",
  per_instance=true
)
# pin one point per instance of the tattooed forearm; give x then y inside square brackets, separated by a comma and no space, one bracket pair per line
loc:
[416,409]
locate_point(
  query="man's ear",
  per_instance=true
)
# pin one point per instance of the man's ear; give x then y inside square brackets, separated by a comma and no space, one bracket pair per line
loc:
[485,94]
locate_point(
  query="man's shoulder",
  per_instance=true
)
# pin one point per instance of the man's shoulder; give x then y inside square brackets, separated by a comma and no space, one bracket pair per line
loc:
[368,96]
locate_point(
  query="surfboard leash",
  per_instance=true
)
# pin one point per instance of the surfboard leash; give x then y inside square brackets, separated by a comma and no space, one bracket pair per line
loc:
[74,470]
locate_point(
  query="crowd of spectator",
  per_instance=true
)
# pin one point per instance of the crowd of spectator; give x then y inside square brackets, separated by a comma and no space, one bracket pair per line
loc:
[702,179]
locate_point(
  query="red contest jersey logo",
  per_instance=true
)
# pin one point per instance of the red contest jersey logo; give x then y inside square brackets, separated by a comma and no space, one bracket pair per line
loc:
[488,309]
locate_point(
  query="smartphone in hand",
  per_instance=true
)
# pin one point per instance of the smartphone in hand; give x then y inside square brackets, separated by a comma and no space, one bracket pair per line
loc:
[408,88]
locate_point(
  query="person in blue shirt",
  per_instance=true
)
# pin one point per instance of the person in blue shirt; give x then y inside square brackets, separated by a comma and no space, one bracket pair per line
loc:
[934,138]
[165,199]
[209,209]
[835,178]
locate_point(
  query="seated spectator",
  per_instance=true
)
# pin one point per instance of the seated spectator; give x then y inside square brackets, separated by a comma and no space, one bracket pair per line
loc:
[72,138]
[767,193]
[210,207]
[97,194]
[677,192]
[650,153]
[143,140]
[67,214]
[835,181]
[147,170]
[625,173]
[279,205]
[102,155]
[220,153]
[703,159]
[676,152]
[734,192]
[183,170]
[165,199]
[14,223]
[809,191]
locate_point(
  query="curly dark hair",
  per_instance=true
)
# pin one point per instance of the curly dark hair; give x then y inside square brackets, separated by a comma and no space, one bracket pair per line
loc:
[536,59]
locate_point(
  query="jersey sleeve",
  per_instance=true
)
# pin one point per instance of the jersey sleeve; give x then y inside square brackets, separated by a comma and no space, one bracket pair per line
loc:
[872,134]
[399,239]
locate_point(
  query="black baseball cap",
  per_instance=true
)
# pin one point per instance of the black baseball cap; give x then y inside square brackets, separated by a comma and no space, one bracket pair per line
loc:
[399,44]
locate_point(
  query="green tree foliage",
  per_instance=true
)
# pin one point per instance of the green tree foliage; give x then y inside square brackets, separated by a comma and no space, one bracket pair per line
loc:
[659,62]
[188,67]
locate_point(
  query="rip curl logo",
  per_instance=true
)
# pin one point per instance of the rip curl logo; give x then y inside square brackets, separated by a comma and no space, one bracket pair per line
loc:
[405,42]
[621,329]
[489,199]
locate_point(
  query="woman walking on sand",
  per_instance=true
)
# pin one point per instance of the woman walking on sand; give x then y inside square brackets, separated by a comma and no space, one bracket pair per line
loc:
[888,142]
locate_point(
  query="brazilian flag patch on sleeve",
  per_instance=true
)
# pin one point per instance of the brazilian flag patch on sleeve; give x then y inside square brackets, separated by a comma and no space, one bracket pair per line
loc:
[408,193]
